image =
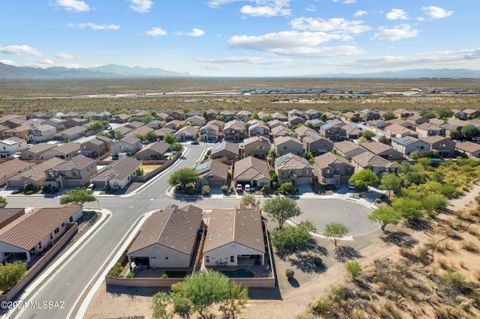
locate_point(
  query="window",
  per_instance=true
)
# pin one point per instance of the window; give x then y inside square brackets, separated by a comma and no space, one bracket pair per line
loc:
[207,259]
[232,259]
[166,258]
[56,231]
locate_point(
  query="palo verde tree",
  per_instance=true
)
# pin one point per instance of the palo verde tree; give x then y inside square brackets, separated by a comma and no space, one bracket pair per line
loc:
[281,208]
[364,178]
[385,215]
[391,183]
[335,232]
[79,196]
[183,178]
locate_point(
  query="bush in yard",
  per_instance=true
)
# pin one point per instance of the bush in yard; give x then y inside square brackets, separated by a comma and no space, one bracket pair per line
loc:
[287,188]
[409,208]
[139,171]
[364,178]
[289,273]
[265,189]
[183,177]
[206,190]
[11,273]
[116,270]
[3,201]
[176,147]
[353,268]
[224,189]
[79,196]
[292,238]
[391,182]
[249,199]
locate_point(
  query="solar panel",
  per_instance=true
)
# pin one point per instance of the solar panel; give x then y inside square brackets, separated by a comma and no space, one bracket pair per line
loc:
[9,142]
[202,166]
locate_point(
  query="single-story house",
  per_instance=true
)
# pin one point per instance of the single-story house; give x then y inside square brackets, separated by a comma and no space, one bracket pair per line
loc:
[12,145]
[187,133]
[409,144]
[71,134]
[212,173]
[383,150]
[153,151]
[12,168]
[227,150]
[117,175]
[468,149]
[368,160]
[34,176]
[252,171]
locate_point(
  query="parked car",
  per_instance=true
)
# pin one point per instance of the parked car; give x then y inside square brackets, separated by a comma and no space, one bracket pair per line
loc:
[239,188]
[194,143]
[248,188]
[351,186]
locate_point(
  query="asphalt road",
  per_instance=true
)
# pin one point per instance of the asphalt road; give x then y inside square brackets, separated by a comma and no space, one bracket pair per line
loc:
[68,283]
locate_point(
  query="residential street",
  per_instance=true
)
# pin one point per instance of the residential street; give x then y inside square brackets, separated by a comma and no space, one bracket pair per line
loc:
[69,283]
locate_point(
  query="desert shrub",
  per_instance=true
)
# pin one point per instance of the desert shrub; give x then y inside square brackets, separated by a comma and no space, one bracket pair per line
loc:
[289,273]
[224,189]
[206,190]
[116,270]
[291,238]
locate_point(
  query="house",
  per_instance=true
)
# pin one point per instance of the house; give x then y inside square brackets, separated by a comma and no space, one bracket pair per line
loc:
[143,132]
[316,124]
[209,133]
[404,123]
[235,237]
[402,113]
[316,144]
[368,115]
[286,144]
[257,146]
[11,168]
[96,147]
[429,129]
[121,131]
[281,131]
[121,118]
[72,122]
[468,149]
[211,114]
[174,124]
[303,131]
[12,145]
[295,120]
[409,144]
[331,169]
[167,238]
[440,146]
[212,173]
[396,130]
[177,115]
[353,131]
[18,131]
[468,114]
[42,133]
[153,151]
[313,114]
[34,176]
[75,172]
[186,133]
[193,113]
[293,168]
[196,120]
[296,112]
[15,121]
[333,132]
[164,131]
[134,125]
[57,123]
[368,160]
[116,175]
[251,171]
[37,152]
[383,150]
[234,130]
[217,123]
[35,231]
[280,117]
[243,115]
[128,145]
[225,150]
[418,119]
[348,149]
[71,134]
[65,151]
[259,129]
[274,123]
[351,117]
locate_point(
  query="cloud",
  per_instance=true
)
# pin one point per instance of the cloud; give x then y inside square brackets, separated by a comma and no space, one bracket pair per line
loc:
[141,6]
[259,8]
[397,14]
[214,68]
[294,43]
[74,5]
[244,59]
[45,63]
[65,56]
[360,13]
[8,62]
[396,33]
[196,32]
[94,26]
[434,12]
[346,1]
[19,49]
[156,32]
[339,25]
[219,3]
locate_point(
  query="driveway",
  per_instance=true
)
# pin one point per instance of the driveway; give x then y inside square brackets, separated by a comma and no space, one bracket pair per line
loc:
[349,213]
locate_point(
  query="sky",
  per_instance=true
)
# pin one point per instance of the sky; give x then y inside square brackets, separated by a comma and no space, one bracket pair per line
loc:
[243,37]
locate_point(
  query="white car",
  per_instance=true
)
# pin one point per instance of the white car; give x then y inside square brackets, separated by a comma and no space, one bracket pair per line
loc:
[247,188]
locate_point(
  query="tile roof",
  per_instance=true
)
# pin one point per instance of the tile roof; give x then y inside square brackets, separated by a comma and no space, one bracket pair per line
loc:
[118,169]
[251,168]
[468,147]
[79,162]
[291,161]
[327,159]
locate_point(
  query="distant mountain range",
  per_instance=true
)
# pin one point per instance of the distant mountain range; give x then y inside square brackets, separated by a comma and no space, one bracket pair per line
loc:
[10,72]
[411,74]
[115,71]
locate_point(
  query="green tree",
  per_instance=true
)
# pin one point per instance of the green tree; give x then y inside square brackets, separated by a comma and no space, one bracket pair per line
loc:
[434,202]
[151,137]
[79,196]
[308,155]
[272,154]
[183,178]
[282,209]
[385,140]
[387,116]
[385,216]
[139,171]
[97,125]
[292,238]
[445,113]
[354,268]
[469,132]
[287,188]
[249,199]
[160,303]
[428,114]
[235,302]
[11,273]
[335,232]
[169,138]
[391,183]
[118,135]
[364,178]
[176,147]
[203,289]
[409,208]
[3,201]
[369,135]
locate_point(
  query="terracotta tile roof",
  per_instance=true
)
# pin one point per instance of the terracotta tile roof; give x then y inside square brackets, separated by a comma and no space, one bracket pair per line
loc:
[291,161]
[172,227]
[368,159]
[375,147]
[28,230]
[239,225]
